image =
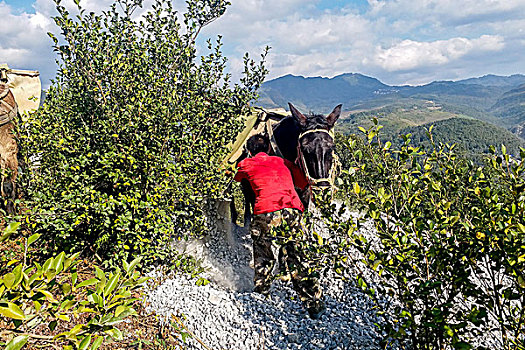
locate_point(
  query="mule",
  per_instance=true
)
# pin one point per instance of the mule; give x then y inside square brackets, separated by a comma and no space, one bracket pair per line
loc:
[8,148]
[306,140]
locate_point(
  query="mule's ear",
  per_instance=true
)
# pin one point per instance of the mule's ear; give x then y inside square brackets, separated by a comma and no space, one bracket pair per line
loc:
[301,119]
[332,117]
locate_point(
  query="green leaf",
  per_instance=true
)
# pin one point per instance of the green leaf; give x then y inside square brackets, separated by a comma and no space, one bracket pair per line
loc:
[114,333]
[66,288]
[133,264]
[361,283]
[96,299]
[99,273]
[120,309]
[37,305]
[58,262]
[521,281]
[17,271]
[88,282]
[17,343]
[48,295]
[9,280]
[33,238]
[128,312]
[126,266]
[185,336]
[96,344]
[112,284]
[12,311]
[67,304]
[9,230]
[47,264]
[84,344]
[462,346]
[357,188]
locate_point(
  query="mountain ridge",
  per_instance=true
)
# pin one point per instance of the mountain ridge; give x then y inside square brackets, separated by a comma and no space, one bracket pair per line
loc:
[499,100]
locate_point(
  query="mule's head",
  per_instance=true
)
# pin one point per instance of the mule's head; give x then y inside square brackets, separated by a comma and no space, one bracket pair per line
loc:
[316,145]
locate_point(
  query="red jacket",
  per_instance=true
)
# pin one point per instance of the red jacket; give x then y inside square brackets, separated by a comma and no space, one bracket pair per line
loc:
[271,180]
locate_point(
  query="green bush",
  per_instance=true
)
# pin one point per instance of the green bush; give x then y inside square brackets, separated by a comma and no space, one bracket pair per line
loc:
[126,149]
[36,299]
[450,245]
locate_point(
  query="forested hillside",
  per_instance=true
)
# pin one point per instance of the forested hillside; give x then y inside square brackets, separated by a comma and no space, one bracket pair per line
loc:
[473,137]
[510,108]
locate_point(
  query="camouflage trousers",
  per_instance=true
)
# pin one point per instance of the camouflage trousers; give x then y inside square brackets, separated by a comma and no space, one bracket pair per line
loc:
[278,232]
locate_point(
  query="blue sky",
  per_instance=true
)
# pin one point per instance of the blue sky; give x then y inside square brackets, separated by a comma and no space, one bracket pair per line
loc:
[22,5]
[360,5]
[396,41]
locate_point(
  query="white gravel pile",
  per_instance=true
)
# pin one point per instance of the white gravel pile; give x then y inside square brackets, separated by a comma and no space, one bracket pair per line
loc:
[223,319]
[226,314]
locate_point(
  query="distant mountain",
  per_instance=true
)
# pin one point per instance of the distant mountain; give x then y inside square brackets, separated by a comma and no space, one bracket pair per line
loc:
[476,96]
[396,119]
[495,99]
[496,80]
[319,94]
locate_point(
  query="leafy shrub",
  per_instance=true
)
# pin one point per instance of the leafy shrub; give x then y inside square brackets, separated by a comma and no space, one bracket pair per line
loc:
[36,300]
[450,240]
[126,149]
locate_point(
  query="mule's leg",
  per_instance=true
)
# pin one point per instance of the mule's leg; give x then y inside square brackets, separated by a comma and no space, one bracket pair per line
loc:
[249,201]
[9,195]
[304,196]
[233,211]
[247,211]
[9,166]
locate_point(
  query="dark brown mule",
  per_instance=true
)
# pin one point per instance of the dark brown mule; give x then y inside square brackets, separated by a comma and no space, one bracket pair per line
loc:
[8,148]
[314,145]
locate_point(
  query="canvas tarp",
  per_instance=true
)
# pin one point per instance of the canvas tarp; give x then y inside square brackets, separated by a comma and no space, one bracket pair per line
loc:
[25,86]
[255,123]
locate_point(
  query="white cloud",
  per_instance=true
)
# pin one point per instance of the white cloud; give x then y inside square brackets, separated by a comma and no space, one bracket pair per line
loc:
[303,41]
[13,55]
[449,11]
[24,42]
[410,54]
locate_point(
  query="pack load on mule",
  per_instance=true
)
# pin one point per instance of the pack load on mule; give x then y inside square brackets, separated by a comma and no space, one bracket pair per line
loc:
[19,94]
[307,141]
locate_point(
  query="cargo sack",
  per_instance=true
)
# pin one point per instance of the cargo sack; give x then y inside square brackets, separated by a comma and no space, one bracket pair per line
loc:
[25,85]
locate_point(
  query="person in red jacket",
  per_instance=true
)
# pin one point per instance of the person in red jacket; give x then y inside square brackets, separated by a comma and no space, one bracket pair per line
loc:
[276,223]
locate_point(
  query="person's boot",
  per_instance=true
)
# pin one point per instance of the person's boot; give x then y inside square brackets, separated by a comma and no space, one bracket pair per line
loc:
[262,289]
